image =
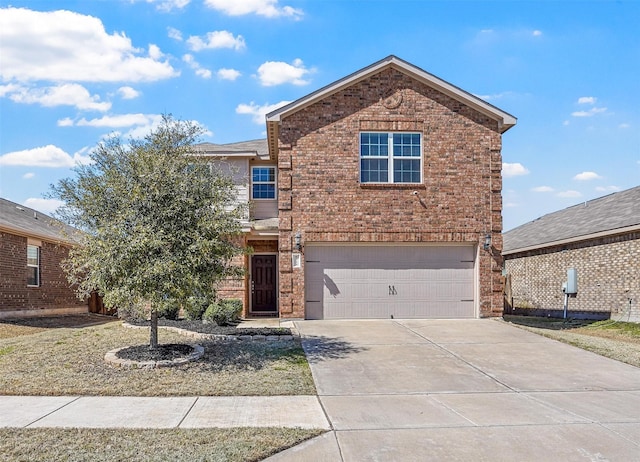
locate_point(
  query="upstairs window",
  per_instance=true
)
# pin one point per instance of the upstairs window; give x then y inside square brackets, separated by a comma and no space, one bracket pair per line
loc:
[263,183]
[390,157]
[33,266]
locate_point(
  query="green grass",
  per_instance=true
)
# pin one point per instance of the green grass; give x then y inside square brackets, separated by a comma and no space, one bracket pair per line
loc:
[100,445]
[628,328]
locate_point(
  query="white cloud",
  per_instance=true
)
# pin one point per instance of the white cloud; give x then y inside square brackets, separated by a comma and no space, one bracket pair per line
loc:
[591,112]
[228,74]
[536,33]
[587,100]
[174,33]
[495,96]
[216,39]
[66,122]
[193,64]
[515,169]
[608,188]
[68,94]
[276,72]
[169,5]
[566,122]
[586,176]
[267,8]
[28,176]
[128,93]
[66,46]
[155,53]
[47,206]
[624,125]
[569,194]
[119,121]
[259,112]
[542,189]
[45,156]
[510,205]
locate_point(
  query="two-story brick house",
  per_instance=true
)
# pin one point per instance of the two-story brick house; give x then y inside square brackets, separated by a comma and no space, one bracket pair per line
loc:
[376,196]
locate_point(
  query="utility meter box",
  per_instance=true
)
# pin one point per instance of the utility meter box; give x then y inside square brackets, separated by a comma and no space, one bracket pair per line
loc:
[572,282]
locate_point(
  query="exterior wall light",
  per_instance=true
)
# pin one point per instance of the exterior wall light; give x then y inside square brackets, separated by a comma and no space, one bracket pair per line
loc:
[487,242]
[297,241]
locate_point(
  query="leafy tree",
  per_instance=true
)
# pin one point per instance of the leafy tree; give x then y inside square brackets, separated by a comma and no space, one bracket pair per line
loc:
[159,222]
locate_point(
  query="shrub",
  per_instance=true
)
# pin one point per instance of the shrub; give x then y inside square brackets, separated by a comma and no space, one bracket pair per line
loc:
[223,312]
[196,305]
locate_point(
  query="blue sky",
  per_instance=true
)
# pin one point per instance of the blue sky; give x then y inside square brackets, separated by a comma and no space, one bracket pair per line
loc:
[72,72]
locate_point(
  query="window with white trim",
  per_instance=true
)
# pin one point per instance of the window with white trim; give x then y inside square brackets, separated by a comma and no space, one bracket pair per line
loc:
[263,182]
[390,157]
[33,265]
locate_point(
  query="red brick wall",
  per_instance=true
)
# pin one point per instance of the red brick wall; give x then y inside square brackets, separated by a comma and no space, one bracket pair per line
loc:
[54,292]
[320,194]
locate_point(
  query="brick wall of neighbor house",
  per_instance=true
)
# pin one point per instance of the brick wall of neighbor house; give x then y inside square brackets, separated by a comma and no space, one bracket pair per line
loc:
[608,276]
[53,295]
[320,194]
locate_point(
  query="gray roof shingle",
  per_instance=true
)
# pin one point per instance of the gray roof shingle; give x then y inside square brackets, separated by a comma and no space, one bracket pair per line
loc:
[601,215]
[255,147]
[30,222]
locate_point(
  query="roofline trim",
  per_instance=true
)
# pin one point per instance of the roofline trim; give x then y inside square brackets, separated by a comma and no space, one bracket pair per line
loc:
[48,238]
[505,119]
[585,237]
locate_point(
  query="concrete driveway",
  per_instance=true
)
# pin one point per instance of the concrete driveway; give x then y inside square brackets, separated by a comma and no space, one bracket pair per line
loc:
[477,390]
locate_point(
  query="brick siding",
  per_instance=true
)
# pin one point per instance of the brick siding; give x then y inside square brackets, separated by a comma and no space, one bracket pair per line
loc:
[607,270]
[54,293]
[320,195]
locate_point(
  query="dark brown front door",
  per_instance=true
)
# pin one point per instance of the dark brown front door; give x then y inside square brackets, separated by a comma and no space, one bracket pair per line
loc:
[263,284]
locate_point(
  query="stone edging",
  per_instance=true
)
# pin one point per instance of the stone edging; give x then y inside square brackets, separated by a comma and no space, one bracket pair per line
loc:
[112,358]
[217,337]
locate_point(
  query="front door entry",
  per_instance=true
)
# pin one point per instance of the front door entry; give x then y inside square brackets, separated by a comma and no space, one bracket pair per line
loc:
[263,284]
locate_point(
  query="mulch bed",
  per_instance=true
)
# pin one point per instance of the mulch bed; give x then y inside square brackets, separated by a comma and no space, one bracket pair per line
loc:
[164,352]
[212,328]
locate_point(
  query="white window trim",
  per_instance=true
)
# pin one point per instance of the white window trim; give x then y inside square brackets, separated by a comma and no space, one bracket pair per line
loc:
[37,266]
[275,183]
[390,158]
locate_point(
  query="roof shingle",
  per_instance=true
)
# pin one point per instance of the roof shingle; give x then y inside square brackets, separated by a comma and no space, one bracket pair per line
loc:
[605,214]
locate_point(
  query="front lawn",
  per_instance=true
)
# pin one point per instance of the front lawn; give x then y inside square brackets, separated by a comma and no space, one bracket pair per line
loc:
[70,361]
[613,339]
[100,445]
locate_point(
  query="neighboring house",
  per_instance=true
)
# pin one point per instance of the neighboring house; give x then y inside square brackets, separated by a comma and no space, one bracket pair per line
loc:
[377,196]
[599,238]
[32,246]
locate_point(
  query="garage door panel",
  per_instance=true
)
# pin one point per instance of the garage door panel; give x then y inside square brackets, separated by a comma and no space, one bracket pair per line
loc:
[378,282]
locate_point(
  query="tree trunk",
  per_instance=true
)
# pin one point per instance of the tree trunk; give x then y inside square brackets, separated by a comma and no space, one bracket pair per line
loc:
[153,341]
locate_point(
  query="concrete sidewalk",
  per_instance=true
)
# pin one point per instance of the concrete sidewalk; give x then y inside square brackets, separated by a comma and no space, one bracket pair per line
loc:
[172,412]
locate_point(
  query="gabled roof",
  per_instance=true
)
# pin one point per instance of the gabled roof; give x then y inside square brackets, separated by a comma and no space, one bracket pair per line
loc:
[24,221]
[505,120]
[613,214]
[253,148]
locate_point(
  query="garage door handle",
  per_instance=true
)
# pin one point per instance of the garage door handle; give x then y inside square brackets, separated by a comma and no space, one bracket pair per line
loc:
[392,290]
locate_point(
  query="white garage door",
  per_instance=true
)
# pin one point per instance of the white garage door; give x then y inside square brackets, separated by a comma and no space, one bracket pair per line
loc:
[389,281]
